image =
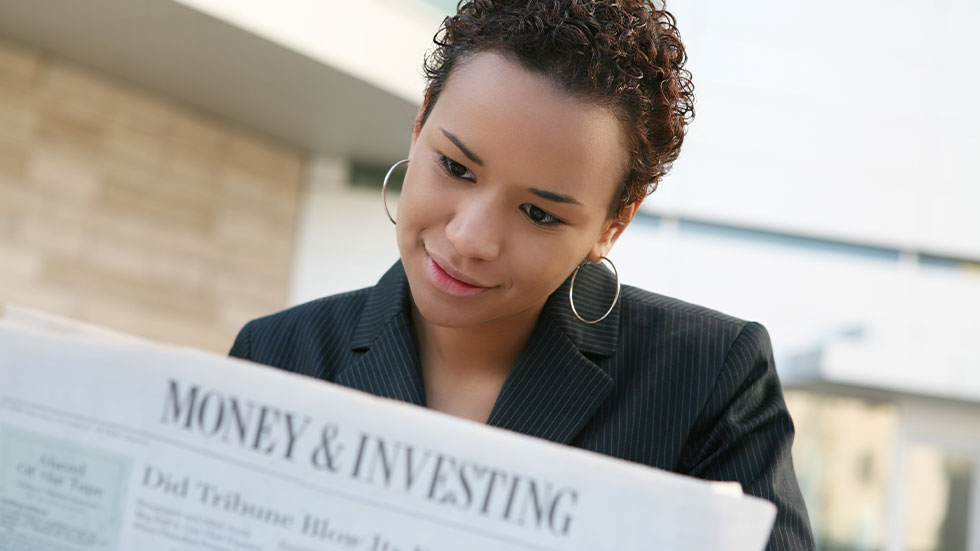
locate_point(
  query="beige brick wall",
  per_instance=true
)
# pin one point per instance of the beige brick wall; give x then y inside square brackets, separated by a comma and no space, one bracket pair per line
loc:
[122,208]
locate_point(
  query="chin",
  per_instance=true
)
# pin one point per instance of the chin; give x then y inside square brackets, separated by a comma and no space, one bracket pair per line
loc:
[444,313]
[449,321]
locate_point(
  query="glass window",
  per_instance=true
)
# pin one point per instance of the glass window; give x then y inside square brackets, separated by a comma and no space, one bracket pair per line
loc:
[843,458]
[937,499]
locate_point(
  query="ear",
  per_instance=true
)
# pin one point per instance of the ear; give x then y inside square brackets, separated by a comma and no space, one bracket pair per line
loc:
[611,231]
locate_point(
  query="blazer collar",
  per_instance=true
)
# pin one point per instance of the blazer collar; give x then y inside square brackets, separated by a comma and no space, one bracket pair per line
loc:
[595,288]
[388,365]
[389,298]
[553,389]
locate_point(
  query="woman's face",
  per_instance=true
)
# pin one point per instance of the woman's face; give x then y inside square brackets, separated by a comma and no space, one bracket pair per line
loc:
[508,189]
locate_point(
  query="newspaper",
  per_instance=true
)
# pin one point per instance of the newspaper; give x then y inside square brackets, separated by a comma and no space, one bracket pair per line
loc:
[111,443]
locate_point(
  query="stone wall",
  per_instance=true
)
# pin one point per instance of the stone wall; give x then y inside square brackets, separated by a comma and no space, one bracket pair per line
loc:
[122,208]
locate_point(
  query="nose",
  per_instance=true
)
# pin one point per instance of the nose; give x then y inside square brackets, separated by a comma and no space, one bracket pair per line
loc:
[475,230]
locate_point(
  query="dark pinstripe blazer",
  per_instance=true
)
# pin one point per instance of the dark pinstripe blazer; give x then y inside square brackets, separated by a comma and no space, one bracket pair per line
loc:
[659,382]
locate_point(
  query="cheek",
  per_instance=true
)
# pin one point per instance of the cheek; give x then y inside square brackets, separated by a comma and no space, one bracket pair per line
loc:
[422,207]
[545,263]
[416,193]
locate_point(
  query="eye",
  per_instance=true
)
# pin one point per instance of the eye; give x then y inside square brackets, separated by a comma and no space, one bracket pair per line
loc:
[456,170]
[539,216]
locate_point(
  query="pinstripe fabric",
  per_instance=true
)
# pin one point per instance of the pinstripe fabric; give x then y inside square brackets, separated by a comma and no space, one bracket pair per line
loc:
[659,382]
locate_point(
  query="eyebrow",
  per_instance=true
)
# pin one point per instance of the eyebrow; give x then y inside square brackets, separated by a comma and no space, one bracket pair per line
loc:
[469,154]
[552,196]
[544,194]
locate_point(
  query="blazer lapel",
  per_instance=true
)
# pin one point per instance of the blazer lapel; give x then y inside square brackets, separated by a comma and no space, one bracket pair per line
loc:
[387,364]
[554,389]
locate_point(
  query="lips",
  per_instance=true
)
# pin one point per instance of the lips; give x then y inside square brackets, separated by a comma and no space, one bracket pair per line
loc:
[451,281]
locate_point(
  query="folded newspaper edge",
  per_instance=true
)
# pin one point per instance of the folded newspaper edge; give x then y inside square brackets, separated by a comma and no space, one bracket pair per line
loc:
[36,320]
[109,442]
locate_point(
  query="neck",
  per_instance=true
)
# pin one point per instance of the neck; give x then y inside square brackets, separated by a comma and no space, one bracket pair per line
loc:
[492,346]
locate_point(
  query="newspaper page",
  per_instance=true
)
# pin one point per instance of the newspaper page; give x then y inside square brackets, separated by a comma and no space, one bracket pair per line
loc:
[118,444]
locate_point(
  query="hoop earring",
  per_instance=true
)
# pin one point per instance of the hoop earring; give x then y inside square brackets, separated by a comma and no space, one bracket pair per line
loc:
[571,292]
[384,188]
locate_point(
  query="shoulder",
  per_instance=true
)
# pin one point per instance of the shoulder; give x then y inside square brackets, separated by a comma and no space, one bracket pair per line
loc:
[670,340]
[647,313]
[301,334]
[712,375]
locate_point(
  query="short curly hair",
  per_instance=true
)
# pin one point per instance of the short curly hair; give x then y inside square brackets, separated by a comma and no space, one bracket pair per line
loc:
[626,55]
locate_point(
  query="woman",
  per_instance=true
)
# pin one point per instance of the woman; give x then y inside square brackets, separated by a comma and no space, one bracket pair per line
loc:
[543,126]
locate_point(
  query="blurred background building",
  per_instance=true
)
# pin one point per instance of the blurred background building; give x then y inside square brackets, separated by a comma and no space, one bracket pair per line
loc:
[173,168]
